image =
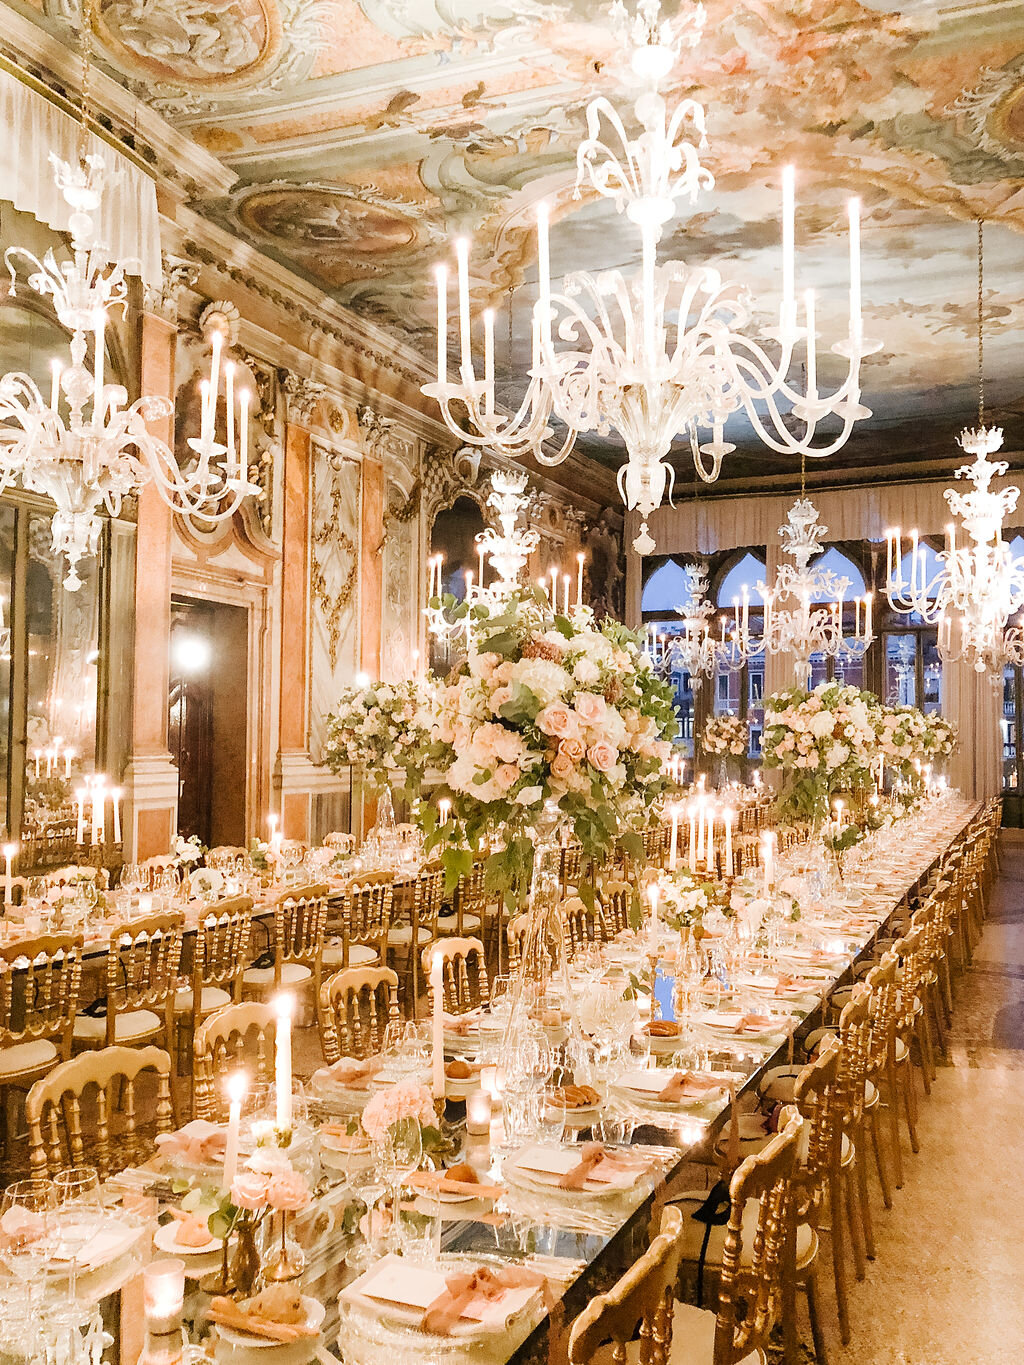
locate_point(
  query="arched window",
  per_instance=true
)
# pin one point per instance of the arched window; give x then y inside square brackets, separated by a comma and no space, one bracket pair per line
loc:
[745,573]
[666,589]
[834,561]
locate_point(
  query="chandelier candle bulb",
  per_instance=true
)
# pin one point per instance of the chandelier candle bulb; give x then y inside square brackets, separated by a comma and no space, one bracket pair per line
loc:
[235,1087]
[544,270]
[441,279]
[692,848]
[284,1007]
[243,420]
[437,1025]
[553,575]
[812,355]
[115,802]
[728,816]
[709,846]
[462,258]
[80,832]
[68,756]
[229,403]
[216,344]
[444,809]
[480,564]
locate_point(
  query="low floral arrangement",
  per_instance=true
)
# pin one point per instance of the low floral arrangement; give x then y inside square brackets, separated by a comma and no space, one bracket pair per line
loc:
[397,1107]
[267,1183]
[684,900]
[379,727]
[545,708]
[188,852]
[824,741]
[725,736]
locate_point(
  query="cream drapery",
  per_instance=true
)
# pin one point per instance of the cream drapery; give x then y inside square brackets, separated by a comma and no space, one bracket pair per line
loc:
[128,223]
[710,525]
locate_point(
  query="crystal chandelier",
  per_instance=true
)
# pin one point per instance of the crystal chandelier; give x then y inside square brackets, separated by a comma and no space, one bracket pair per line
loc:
[694,649]
[803,629]
[662,352]
[506,551]
[979,585]
[87,448]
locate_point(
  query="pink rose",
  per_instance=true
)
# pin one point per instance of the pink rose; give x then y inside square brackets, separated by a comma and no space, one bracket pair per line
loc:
[249,1190]
[603,756]
[561,767]
[499,697]
[590,708]
[507,775]
[557,720]
[288,1191]
[572,749]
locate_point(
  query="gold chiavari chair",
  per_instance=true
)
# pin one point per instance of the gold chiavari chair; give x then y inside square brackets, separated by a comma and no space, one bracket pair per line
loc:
[580,925]
[616,900]
[356,1006]
[235,1035]
[227,858]
[571,867]
[142,979]
[359,926]
[220,950]
[112,1137]
[299,919]
[463,973]
[640,1315]
[406,941]
[469,906]
[39,986]
[159,864]
[910,1027]
[881,1074]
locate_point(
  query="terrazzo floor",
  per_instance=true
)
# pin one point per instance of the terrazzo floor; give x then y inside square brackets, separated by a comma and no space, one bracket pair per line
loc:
[947,1284]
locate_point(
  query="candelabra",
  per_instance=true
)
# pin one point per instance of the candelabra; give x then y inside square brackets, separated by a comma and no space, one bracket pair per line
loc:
[85,449]
[804,629]
[661,352]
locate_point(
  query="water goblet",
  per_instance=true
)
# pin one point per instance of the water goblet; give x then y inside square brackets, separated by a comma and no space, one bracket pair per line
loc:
[26,1213]
[79,1214]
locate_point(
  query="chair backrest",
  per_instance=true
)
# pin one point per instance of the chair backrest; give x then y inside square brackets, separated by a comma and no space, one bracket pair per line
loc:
[516,933]
[882,1007]
[227,857]
[616,898]
[817,1098]
[463,973]
[913,971]
[236,1032]
[142,965]
[855,1037]
[39,988]
[366,908]
[300,917]
[113,1137]
[638,1305]
[63,876]
[572,865]
[752,1283]
[221,947]
[159,863]
[471,894]
[340,841]
[580,925]
[429,897]
[355,1007]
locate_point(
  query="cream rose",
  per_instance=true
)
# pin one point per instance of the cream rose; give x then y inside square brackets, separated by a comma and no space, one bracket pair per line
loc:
[557,720]
[590,708]
[249,1190]
[288,1191]
[572,749]
[602,756]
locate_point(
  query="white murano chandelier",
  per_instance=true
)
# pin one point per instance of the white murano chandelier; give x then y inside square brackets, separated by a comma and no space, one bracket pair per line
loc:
[814,622]
[978,585]
[86,448]
[661,353]
[506,551]
[695,649]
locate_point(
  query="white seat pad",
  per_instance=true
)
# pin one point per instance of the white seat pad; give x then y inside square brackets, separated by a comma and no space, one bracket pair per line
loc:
[28,1056]
[402,936]
[359,955]
[213,998]
[133,1024]
[693,1341]
[693,1233]
[449,924]
[291,974]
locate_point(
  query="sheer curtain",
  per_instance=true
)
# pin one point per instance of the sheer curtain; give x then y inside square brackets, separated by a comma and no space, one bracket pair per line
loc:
[128,225]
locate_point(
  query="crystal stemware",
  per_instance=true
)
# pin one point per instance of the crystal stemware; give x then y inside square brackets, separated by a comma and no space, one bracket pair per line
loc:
[79,1214]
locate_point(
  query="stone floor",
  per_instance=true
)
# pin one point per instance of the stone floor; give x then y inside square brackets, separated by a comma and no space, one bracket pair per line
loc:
[947,1287]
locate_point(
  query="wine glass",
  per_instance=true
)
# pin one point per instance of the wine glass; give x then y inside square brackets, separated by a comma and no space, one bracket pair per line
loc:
[79,1214]
[396,1156]
[26,1213]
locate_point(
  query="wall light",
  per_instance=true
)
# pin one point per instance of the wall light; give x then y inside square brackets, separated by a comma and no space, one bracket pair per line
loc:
[191,653]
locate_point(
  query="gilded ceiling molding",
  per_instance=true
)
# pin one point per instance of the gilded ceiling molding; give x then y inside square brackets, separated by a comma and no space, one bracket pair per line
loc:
[302,397]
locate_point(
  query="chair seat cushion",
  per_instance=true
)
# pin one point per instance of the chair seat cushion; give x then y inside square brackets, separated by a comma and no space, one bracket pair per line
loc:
[359,955]
[693,1341]
[291,974]
[402,936]
[132,1024]
[449,924]
[693,1233]
[30,1056]
[213,998]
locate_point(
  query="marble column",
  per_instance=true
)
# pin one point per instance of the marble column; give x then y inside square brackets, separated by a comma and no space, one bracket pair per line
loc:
[151,778]
[293,767]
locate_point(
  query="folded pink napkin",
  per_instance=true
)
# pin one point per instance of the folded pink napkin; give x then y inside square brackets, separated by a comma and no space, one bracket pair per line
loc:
[687,1085]
[755,1023]
[199,1141]
[473,1293]
[461,1024]
[355,1071]
[600,1163]
[19,1226]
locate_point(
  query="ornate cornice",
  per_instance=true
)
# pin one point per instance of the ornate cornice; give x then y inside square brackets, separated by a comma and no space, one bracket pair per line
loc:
[302,396]
[164,300]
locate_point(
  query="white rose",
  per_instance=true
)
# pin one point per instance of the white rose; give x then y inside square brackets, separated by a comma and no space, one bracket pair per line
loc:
[585,671]
[822,724]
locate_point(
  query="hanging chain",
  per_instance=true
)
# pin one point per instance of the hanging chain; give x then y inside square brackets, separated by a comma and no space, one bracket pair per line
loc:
[85,13]
[981,331]
[803,474]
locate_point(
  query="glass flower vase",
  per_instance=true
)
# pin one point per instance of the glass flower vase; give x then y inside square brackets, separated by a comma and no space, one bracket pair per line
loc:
[543,1030]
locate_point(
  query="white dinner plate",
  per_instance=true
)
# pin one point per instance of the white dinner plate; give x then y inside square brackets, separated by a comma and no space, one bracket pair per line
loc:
[164,1239]
[315,1314]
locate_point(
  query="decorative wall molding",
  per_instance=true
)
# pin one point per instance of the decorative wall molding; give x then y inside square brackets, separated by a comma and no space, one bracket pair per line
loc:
[302,397]
[180,275]
[446,474]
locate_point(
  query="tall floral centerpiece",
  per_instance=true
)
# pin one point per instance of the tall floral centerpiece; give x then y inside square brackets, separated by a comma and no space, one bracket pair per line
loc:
[546,709]
[725,737]
[823,742]
[380,727]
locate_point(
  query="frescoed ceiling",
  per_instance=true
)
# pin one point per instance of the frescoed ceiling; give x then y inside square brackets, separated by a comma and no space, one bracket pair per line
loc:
[366,134]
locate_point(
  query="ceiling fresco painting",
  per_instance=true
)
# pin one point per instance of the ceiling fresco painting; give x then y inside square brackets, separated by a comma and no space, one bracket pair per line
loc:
[366,136]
